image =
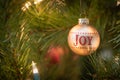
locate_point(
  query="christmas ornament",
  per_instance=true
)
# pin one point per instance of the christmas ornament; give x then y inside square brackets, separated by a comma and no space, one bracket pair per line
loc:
[54,54]
[106,54]
[83,39]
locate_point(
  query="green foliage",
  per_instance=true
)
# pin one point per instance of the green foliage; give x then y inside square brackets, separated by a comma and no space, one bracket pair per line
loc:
[27,35]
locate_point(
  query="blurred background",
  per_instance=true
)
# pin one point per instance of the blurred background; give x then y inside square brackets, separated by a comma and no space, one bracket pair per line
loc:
[37,30]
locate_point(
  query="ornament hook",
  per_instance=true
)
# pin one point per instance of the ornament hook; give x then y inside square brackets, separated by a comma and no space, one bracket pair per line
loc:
[83,21]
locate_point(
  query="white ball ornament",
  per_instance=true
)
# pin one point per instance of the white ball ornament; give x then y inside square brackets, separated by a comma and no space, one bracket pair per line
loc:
[83,39]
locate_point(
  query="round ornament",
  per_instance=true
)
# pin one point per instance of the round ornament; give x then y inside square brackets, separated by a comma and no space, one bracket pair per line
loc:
[83,39]
[55,54]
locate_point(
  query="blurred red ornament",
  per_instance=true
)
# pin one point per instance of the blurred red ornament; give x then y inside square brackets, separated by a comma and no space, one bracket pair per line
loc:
[83,39]
[54,54]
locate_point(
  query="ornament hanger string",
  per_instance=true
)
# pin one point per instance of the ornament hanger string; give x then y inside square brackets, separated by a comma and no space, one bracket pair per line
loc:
[80,9]
[82,12]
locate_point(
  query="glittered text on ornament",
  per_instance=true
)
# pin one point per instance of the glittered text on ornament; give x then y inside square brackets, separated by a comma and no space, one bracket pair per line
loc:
[83,39]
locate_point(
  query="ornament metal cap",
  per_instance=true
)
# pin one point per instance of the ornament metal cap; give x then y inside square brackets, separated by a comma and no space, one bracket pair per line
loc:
[83,21]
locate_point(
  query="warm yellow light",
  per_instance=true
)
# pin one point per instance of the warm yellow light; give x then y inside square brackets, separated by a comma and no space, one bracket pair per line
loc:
[35,70]
[26,6]
[37,1]
[23,9]
[118,2]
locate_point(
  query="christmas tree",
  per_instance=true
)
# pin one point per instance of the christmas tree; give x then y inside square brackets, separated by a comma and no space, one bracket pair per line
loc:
[37,30]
